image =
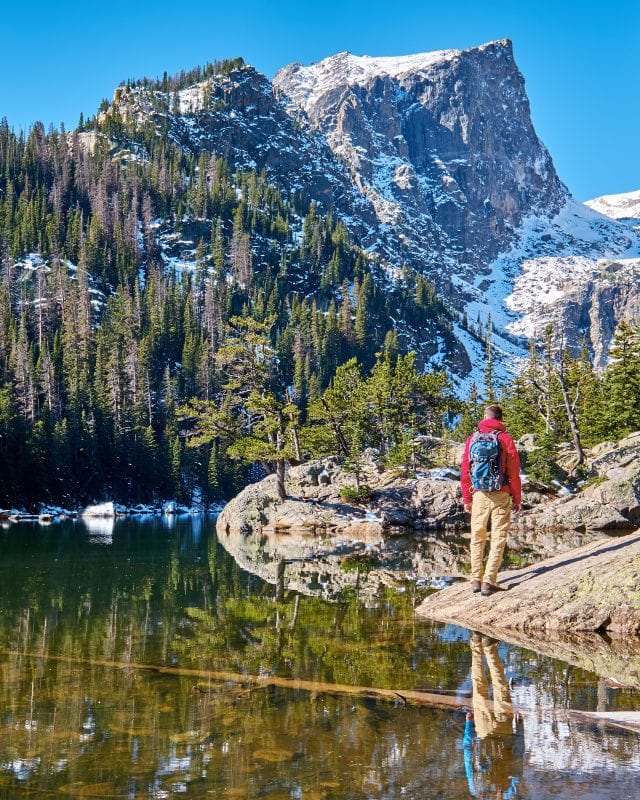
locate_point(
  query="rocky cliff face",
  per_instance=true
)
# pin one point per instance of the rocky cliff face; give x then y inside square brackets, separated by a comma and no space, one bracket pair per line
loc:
[441,143]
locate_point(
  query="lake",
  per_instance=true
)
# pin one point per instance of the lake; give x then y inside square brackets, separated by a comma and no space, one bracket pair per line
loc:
[139,660]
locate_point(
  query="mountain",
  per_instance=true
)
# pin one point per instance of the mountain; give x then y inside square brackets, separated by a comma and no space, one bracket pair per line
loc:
[617,206]
[433,164]
[578,271]
[444,147]
[430,161]
[441,143]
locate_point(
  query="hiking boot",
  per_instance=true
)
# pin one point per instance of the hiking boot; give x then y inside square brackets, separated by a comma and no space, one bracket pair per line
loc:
[488,589]
[475,586]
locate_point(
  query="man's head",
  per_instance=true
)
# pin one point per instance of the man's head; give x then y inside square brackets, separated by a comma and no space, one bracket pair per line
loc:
[493,412]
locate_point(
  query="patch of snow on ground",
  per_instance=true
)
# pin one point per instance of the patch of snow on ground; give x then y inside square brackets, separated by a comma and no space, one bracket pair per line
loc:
[441,474]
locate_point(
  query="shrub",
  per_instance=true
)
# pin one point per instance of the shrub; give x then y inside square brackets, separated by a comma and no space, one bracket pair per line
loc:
[352,494]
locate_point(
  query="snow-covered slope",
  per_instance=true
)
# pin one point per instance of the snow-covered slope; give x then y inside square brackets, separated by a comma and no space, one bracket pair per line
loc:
[617,206]
[579,271]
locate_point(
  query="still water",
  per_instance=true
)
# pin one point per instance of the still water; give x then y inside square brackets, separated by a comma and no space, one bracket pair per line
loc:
[128,664]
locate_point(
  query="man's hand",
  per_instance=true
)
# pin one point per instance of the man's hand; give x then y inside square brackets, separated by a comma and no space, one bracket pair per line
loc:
[517,508]
[467,507]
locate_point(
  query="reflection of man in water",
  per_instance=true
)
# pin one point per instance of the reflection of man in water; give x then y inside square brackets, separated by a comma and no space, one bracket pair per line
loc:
[493,751]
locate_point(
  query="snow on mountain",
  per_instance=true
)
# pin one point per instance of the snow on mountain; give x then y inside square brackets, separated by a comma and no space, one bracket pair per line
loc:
[441,144]
[313,81]
[617,206]
[579,271]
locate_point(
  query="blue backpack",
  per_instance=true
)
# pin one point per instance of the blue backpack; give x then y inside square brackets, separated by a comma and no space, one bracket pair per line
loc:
[485,462]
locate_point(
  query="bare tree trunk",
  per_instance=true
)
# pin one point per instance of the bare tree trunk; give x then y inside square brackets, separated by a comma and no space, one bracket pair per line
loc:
[342,442]
[296,607]
[280,581]
[570,409]
[573,423]
[296,444]
[280,463]
[280,468]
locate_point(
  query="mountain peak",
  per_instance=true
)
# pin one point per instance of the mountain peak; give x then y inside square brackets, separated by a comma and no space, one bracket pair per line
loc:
[618,206]
[361,69]
[442,144]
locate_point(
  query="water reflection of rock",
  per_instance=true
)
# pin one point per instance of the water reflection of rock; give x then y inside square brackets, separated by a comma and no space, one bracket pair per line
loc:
[616,661]
[323,565]
[100,529]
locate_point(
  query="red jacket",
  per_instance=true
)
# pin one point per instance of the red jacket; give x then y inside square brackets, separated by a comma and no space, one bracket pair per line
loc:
[510,462]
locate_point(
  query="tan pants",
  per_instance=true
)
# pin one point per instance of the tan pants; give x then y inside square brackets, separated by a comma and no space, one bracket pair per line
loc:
[494,506]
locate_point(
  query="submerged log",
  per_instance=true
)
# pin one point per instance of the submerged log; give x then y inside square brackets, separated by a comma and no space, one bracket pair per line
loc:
[414,697]
[406,696]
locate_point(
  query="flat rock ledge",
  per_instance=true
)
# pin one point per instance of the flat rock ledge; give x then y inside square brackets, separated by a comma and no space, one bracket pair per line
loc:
[592,588]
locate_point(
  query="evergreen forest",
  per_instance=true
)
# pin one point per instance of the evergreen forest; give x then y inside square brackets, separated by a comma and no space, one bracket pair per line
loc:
[103,339]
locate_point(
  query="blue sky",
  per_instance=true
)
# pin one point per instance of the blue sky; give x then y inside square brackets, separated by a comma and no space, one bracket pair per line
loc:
[579,59]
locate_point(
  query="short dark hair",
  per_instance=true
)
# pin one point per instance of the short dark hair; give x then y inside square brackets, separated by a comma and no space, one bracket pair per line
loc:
[493,412]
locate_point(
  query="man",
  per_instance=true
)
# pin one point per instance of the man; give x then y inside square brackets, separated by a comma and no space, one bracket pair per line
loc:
[490,480]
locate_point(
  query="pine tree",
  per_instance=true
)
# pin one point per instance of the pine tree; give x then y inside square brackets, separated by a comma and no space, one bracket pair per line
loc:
[488,377]
[621,411]
[363,329]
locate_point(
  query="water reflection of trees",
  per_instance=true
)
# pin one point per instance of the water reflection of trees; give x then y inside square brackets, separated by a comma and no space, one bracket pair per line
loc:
[82,729]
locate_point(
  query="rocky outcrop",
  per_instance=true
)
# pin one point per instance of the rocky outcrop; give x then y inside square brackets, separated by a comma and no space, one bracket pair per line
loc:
[610,501]
[432,501]
[593,588]
[588,304]
[315,503]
